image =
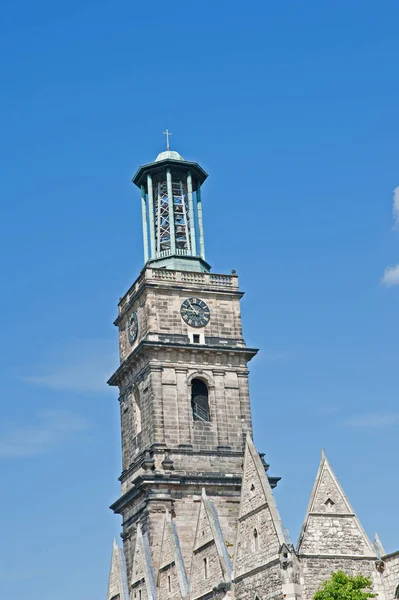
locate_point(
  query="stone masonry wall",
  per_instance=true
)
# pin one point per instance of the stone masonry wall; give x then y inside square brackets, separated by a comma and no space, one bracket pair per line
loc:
[316,570]
[139,592]
[186,513]
[163,397]
[391,575]
[248,557]
[266,583]
[158,313]
[329,534]
[328,490]
[168,584]
[203,580]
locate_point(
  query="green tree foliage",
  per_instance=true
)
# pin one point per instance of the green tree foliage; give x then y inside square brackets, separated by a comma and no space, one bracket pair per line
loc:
[345,587]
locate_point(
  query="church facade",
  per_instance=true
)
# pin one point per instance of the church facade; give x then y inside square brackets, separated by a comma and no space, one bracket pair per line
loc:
[199,519]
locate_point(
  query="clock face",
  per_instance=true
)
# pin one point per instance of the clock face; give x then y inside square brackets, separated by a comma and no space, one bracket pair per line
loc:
[195,312]
[132,327]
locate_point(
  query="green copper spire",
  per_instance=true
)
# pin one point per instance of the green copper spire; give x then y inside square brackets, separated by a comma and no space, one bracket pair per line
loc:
[172,211]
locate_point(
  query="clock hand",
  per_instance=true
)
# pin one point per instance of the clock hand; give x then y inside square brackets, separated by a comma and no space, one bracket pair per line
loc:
[192,307]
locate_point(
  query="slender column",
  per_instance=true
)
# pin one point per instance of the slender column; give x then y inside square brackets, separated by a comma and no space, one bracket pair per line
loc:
[145,225]
[151,215]
[171,212]
[193,242]
[186,218]
[159,217]
[200,223]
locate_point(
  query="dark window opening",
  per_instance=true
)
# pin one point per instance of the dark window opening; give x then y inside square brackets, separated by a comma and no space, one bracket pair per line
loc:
[196,338]
[256,541]
[169,584]
[397,592]
[205,568]
[199,400]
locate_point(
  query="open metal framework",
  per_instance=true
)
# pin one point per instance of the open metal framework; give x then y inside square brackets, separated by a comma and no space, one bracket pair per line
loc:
[172,214]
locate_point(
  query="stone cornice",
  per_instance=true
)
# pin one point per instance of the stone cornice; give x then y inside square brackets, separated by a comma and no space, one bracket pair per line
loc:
[338,556]
[145,481]
[390,555]
[187,449]
[114,379]
[331,514]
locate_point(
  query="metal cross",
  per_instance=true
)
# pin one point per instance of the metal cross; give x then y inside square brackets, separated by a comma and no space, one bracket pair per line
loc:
[167,133]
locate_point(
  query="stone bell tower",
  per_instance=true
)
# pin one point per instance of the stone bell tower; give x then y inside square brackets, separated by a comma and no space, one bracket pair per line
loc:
[183,375]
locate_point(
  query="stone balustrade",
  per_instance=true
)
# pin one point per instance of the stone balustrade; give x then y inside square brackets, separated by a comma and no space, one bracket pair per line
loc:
[202,280]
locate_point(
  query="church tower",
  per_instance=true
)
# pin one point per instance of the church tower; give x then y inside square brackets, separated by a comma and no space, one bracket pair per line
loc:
[199,518]
[183,374]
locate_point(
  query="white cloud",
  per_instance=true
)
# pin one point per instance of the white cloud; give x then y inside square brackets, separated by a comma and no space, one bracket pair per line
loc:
[373,420]
[395,207]
[83,367]
[51,429]
[391,276]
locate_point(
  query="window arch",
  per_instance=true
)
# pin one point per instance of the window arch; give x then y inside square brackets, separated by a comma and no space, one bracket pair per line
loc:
[200,400]
[397,592]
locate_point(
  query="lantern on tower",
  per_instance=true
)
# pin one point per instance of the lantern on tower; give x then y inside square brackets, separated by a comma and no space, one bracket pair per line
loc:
[173,232]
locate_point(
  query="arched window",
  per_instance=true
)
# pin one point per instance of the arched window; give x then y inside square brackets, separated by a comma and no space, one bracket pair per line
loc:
[397,593]
[199,400]
[256,540]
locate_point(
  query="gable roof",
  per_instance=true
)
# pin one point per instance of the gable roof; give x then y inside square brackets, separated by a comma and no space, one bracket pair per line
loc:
[328,501]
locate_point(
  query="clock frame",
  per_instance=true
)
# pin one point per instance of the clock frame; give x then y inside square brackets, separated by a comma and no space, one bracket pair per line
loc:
[195,312]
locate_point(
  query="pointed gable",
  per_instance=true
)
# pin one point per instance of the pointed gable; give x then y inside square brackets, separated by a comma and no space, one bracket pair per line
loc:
[265,564]
[172,579]
[210,566]
[260,533]
[117,583]
[142,581]
[330,526]
[328,496]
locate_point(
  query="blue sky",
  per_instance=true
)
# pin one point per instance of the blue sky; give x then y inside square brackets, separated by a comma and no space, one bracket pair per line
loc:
[292,108]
